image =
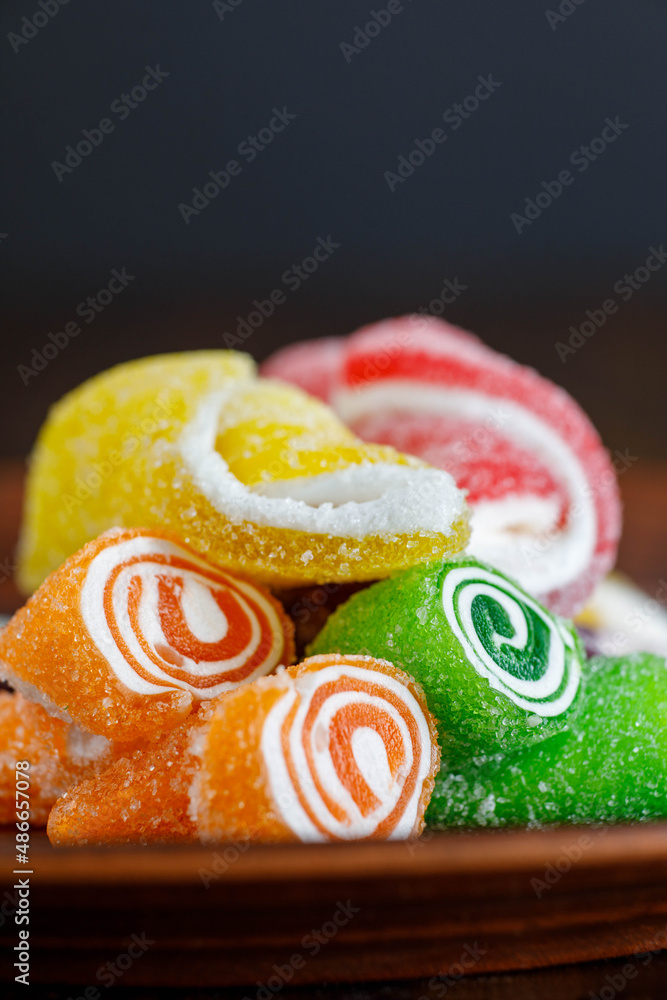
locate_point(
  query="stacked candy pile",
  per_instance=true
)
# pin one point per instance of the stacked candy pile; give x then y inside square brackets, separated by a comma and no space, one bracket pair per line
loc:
[462,501]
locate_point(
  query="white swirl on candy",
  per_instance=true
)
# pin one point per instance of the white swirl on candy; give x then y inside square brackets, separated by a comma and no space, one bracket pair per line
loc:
[360,499]
[554,690]
[498,525]
[165,619]
[347,751]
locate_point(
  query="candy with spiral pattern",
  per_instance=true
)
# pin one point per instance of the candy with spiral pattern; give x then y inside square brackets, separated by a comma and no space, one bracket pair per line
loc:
[336,748]
[135,629]
[608,766]
[543,492]
[500,671]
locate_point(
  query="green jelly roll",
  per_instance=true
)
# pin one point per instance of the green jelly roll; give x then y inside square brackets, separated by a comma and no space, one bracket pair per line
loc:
[500,672]
[608,767]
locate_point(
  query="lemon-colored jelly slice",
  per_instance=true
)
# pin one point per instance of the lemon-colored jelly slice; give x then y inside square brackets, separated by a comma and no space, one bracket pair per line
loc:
[271,431]
[257,475]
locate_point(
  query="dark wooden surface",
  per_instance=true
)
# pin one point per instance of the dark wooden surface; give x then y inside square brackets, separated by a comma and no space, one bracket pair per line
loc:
[493,902]
[420,908]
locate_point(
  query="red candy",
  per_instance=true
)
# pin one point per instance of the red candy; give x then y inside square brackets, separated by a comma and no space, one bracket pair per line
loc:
[542,487]
[311,364]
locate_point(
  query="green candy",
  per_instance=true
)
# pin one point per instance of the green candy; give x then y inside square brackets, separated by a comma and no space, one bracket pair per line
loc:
[608,767]
[500,672]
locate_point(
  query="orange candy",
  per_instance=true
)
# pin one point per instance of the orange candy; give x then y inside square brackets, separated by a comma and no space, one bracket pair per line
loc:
[142,798]
[134,630]
[59,755]
[336,748]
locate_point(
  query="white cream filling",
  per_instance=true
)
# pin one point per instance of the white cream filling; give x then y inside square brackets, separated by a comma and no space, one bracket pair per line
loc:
[518,534]
[84,747]
[367,747]
[201,613]
[370,755]
[360,500]
[528,694]
[628,619]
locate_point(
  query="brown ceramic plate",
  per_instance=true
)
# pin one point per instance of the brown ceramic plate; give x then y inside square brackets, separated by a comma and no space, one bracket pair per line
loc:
[266,916]
[303,914]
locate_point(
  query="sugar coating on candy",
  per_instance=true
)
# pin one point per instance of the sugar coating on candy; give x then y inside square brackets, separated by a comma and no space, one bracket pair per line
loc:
[142,798]
[59,755]
[310,364]
[331,749]
[543,491]
[162,616]
[105,453]
[228,797]
[337,748]
[498,669]
[508,470]
[308,474]
[252,473]
[132,631]
[527,662]
[555,553]
[378,785]
[608,766]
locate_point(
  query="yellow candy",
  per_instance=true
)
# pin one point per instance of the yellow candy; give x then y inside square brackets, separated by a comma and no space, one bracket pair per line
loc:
[255,474]
[281,433]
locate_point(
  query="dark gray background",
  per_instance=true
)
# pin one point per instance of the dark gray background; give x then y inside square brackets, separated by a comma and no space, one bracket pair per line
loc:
[324,176]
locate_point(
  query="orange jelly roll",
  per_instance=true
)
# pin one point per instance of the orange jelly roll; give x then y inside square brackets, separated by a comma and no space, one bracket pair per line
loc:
[134,630]
[143,798]
[336,748]
[57,755]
